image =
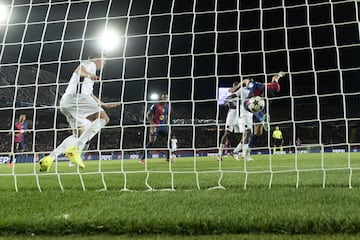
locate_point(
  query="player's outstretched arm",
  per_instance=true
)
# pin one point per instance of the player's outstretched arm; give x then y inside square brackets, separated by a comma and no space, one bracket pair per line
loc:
[237,87]
[106,105]
[110,105]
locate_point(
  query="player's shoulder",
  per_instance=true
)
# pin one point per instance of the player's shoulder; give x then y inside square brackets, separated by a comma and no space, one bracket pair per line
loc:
[85,62]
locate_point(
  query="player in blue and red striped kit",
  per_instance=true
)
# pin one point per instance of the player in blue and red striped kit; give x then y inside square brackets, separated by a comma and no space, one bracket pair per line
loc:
[261,119]
[20,128]
[157,116]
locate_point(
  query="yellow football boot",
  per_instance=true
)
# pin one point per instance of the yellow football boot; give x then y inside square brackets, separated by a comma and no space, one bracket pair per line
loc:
[45,164]
[74,154]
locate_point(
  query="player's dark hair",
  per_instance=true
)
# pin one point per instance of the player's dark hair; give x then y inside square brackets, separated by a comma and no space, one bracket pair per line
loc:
[97,54]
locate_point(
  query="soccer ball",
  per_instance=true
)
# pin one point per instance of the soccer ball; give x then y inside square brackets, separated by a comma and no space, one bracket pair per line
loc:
[256,104]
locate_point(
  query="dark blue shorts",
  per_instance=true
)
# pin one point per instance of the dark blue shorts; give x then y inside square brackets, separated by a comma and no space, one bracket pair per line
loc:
[21,146]
[162,130]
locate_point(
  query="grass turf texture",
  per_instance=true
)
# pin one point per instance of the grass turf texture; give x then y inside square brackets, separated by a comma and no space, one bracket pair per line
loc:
[282,209]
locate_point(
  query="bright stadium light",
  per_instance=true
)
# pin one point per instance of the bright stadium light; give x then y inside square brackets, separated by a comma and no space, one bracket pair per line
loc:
[3,13]
[109,40]
[154,96]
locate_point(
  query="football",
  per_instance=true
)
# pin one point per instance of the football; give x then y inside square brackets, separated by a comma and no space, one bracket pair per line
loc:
[256,104]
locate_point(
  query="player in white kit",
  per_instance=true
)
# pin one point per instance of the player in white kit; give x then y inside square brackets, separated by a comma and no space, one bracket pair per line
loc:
[231,123]
[245,122]
[83,111]
[174,143]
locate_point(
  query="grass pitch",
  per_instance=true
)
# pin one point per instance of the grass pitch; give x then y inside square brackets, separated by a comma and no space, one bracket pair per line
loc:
[289,194]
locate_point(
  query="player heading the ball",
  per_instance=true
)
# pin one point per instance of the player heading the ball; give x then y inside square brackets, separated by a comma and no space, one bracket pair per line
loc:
[261,119]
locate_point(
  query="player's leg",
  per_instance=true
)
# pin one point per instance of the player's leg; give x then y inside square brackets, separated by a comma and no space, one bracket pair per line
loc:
[230,123]
[222,143]
[12,159]
[274,87]
[152,139]
[19,150]
[239,131]
[78,132]
[164,131]
[46,162]
[258,131]
[99,120]
[275,143]
[173,153]
[248,128]
[83,108]
[74,153]
[263,118]
[238,147]
[67,147]
[69,110]
[246,149]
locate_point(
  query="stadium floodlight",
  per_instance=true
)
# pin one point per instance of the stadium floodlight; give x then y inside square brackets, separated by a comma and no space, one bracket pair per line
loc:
[154,96]
[3,13]
[109,40]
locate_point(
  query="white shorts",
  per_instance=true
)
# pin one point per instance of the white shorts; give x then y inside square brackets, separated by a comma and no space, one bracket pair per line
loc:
[77,107]
[246,123]
[232,121]
[173,148]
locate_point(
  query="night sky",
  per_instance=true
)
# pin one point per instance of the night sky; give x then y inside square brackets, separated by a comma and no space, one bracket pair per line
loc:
[317,43]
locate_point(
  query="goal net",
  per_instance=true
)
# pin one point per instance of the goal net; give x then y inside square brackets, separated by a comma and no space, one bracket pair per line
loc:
[192,50]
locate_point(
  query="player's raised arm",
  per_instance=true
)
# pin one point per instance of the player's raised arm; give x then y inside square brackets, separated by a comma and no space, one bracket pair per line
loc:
[82,72]
[150,114]
[235,88]
[244,82]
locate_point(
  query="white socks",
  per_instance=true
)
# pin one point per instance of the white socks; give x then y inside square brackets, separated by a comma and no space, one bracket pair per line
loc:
[221,149]
[68,142]
[90,131]
[245,151]
[238,148]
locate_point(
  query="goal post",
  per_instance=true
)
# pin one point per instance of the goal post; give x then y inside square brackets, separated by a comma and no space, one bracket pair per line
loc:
[193,51]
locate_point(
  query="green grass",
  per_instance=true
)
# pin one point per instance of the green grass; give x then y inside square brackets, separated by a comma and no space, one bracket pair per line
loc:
[258,210]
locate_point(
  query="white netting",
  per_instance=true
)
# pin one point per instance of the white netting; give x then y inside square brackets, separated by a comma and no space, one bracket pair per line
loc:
[188,49]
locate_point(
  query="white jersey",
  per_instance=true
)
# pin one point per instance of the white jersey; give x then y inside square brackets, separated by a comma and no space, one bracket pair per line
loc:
[232,117]
[246,118]
[77,103]
[243,94]
[173,144]
[87,85]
